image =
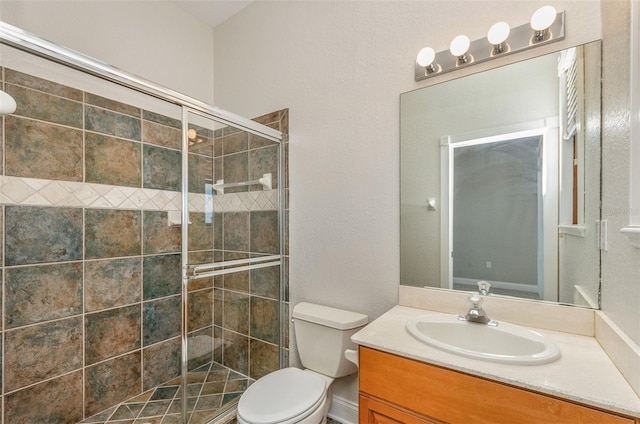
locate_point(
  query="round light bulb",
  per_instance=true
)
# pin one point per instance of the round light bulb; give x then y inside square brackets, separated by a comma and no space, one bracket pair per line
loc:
[543,18]
[459,45]
[192,134]
[426,56]
[498,33]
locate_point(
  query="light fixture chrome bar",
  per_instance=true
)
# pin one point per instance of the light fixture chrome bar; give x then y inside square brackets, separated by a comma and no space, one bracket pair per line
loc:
[235,269]
[195,269]
[520,39]
[31,43]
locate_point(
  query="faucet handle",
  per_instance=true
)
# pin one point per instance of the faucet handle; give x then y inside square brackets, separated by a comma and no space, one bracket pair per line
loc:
[475,300]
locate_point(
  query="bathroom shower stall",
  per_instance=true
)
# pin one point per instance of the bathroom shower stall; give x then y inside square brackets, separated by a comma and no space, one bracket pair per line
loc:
[143,246]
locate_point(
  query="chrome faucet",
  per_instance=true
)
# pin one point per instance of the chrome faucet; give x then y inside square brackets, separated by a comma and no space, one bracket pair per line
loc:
[484,287]
[476,313]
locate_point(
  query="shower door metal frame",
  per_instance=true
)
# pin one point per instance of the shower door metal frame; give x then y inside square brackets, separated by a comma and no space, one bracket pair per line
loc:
[30,43]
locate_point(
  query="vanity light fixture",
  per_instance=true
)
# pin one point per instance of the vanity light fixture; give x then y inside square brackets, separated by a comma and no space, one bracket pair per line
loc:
[459,47]
[425,59]
[547,25]
[497,37]
[541,20]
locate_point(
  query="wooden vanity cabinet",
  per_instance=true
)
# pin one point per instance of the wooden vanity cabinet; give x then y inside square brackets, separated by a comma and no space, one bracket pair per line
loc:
[394,389]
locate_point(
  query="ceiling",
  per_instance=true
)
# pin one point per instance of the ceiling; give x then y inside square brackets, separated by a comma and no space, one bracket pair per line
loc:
[212,12]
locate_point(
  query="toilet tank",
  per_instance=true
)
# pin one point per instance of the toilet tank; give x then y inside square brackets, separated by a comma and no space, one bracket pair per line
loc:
[323,334]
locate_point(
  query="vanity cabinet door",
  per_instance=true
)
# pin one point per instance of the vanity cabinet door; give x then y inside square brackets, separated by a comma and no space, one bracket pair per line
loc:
[372,411]
[455,397]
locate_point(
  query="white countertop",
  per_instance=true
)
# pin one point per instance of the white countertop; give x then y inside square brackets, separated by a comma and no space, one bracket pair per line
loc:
[583,373]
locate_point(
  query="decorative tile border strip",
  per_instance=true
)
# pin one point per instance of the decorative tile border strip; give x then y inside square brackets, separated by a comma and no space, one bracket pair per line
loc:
[266,200]
[39,192]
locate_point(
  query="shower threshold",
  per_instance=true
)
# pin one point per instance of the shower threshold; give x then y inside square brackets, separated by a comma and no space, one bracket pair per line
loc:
[212,392]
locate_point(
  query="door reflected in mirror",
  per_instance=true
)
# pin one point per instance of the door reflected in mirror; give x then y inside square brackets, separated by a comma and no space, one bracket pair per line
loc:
[512,158]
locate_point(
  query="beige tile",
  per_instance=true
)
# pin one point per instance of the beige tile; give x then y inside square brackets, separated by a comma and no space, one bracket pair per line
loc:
[54,152]
[112,161]
[58,401]
[41,293]
[112,332]
[112,233]
[35,353]
[111,382]
[111,283]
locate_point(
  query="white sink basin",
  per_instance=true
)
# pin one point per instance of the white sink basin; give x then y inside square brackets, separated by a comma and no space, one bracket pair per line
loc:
[504,343]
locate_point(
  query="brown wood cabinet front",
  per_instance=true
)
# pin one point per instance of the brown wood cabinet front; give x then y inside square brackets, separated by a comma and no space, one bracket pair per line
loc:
[395,390]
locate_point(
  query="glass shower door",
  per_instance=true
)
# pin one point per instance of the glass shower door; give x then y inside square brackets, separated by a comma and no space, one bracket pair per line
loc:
[231,258]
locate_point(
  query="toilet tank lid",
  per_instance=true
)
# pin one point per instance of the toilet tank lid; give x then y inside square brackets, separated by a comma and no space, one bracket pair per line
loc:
[329,317]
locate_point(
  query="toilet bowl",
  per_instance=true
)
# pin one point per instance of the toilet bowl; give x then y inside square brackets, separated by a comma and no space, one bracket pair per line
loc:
[292,395]
[286,396]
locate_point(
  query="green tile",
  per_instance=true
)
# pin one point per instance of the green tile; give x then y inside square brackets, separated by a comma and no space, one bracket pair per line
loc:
[113,105]
[39,352]
[112,332]
[42,293]
[112,233]
[41,234]
[236,231]
[161,362]
[39,84]
[35,149]
[161,135]
[235,170]
[159,237]
[200,173]
[46,107]
[236,312]
[200,309]
[112,123]
[265,358]
[161,168]
[162,119]
[112,161]
[162,276]
[110,283]
[264,232]
[57,401]
[265,319]
[162,320]
[264,161]
[111,382]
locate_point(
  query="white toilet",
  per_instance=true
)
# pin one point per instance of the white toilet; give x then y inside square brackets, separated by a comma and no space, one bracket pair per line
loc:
[292,395]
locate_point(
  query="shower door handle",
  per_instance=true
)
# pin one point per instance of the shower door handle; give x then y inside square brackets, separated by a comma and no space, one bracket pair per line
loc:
[195,272]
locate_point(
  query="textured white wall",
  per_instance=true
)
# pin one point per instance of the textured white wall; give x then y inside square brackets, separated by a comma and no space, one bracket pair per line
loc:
[156,40]
[621,264]
[340,67]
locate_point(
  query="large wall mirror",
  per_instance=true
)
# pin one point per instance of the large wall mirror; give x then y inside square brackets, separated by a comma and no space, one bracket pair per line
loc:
[500,180]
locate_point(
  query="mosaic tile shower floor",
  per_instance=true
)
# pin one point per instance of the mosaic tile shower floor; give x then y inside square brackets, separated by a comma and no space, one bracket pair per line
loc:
[210,389]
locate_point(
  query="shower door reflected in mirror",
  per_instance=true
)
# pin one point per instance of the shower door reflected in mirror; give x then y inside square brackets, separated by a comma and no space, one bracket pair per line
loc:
[501,194]
[561,90]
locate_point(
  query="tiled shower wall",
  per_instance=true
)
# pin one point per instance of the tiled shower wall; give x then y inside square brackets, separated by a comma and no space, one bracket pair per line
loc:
[91,269]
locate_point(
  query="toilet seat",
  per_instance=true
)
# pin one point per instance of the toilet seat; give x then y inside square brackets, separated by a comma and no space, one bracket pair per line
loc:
[285,396]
